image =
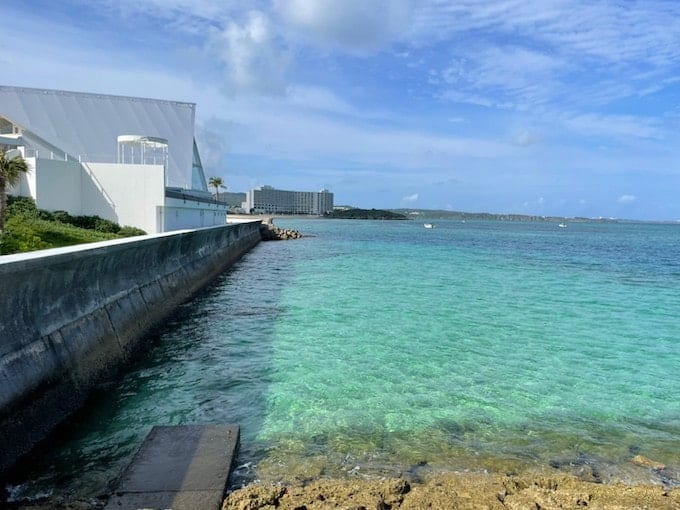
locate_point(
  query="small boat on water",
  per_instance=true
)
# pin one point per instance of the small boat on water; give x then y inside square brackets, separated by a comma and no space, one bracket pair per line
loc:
[429,225]
[562,225]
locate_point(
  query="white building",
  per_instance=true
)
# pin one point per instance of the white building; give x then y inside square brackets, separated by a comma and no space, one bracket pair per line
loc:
[268,200]
[127,159]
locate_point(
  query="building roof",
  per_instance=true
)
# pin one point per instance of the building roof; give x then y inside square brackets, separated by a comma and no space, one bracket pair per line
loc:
[87,126]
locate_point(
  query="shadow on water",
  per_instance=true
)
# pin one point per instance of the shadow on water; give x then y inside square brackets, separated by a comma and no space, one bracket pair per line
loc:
[210,362]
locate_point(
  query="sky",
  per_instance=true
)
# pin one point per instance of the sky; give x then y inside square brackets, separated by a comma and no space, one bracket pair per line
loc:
[552,107]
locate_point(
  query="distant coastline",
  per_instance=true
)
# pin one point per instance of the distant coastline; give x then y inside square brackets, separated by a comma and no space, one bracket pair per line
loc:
[440,214]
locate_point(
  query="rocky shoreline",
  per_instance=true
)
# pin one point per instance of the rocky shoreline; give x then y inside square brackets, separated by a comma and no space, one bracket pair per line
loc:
[453,491]
[270,232]
[459,490]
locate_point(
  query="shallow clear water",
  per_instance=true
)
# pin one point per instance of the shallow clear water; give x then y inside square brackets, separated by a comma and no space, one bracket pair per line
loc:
[379,347]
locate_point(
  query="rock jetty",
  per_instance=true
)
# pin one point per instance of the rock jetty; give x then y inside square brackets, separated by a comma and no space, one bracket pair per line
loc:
[270,232]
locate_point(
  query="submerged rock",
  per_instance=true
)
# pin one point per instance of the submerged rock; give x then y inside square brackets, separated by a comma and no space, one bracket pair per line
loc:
[642,461]
[582,466]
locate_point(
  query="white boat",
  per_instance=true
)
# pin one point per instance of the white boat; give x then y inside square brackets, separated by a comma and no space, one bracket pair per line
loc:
[429,225]
[562,225]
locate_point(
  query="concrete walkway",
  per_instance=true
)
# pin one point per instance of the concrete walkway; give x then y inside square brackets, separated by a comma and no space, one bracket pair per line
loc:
[180,468]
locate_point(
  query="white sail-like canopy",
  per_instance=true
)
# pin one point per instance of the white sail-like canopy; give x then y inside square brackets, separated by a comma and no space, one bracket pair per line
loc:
[86,127]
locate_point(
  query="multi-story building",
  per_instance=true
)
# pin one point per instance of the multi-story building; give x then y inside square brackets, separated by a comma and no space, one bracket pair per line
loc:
[268,200]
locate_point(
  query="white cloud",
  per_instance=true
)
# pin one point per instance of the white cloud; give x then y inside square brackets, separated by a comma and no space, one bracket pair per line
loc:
[463,97]
[318,98]
[527,139]
[641,31]
[176,9]
[501,74]
[213,148]
[256,61]
[353,25]
[534,205]
[611,125]
[410,198]
[561,53]
[268,127]
[546,72]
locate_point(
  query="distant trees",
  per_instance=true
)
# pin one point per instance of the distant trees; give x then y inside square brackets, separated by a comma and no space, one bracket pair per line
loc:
[217,183]
[11,169]
[365,214]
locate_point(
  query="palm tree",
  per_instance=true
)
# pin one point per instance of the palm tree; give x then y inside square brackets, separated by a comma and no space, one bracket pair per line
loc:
[217,183]
[11,170]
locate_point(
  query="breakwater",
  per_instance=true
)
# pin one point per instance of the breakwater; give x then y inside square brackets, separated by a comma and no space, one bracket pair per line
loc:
[270,232]
[71,317]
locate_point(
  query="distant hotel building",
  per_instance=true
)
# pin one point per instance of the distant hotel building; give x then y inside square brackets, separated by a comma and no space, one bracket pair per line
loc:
[267,200]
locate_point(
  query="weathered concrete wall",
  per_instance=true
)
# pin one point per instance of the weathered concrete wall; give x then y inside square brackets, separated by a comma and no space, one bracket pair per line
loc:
[71,317]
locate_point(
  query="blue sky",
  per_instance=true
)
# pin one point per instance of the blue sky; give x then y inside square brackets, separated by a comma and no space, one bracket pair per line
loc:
[557,107]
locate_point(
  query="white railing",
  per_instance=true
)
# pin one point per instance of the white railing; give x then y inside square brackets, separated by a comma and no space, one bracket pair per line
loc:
[80,158]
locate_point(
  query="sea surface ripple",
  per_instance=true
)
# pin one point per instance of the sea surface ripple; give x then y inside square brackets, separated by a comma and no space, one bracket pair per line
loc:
[386,348]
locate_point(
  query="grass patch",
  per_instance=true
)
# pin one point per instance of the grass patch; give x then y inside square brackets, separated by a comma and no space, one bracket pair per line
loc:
[28,229]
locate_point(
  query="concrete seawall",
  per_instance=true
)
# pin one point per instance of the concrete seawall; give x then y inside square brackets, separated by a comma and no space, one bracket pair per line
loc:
[71,317]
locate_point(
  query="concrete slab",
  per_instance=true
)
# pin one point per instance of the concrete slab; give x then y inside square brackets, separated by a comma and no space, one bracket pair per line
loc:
[191,500]
[180,468]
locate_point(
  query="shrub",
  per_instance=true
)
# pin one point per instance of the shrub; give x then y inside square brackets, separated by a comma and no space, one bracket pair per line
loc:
[24,206]
[62,216]
[128,231]
[102,225]
[27,234]
[29,228]
[45,215]
[87,222]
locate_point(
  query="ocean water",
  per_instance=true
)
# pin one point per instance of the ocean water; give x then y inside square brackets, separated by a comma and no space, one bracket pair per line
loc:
[383,348]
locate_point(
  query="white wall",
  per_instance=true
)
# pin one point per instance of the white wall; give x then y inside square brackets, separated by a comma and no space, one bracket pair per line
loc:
[53,184]
[179,214]
[127,194]
[58,185]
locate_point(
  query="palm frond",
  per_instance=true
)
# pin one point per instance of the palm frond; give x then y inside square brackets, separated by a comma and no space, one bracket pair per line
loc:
[11,170]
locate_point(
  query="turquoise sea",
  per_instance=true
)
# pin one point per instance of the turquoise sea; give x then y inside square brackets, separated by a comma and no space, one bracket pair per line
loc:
[374,348]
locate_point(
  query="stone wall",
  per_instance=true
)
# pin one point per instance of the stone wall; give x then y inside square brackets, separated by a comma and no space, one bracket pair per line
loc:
[70,318]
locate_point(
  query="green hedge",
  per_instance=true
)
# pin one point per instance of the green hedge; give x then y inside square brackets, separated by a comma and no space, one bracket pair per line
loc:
[29,228]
